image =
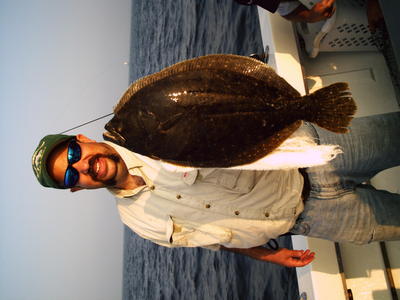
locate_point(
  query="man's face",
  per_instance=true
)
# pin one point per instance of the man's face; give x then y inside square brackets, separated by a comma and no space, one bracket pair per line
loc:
[99,166]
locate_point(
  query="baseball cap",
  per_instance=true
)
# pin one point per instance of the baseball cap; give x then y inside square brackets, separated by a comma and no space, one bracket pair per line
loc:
[42,152]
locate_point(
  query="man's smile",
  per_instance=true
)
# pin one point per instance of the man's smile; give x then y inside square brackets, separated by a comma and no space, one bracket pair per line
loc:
[99,168]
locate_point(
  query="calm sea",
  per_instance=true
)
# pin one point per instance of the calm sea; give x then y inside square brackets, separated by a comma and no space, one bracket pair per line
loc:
[165,32]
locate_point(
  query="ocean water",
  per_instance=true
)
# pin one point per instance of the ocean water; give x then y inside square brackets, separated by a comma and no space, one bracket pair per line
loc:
[164,32]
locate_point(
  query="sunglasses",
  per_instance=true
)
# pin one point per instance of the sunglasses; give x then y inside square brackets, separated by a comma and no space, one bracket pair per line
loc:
[71,176]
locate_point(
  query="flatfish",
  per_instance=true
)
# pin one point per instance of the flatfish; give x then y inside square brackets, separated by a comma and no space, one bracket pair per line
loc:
[220,111]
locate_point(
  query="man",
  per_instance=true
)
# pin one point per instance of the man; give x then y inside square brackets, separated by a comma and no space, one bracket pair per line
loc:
[240,210]
[296,11]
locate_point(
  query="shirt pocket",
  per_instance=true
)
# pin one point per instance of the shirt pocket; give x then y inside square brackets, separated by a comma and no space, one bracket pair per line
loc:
[193,234]
[234,180]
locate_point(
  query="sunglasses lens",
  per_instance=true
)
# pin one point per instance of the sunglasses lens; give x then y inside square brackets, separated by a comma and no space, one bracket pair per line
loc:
[71,177]
[74,152]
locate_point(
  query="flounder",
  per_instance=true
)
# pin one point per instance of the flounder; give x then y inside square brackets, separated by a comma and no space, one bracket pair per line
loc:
[220,111]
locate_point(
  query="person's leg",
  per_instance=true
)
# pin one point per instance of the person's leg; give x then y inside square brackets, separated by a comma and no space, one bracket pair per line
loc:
[371,145]
[339,207]
[359,215]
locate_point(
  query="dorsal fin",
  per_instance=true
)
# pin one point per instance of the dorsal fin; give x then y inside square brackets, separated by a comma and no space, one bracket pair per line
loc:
[234,63]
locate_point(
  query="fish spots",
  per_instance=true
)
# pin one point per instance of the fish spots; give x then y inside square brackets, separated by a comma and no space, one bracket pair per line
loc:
[229,110]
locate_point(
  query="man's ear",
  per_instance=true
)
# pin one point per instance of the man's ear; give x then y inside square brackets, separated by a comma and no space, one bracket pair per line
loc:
[84,139]
[75,189]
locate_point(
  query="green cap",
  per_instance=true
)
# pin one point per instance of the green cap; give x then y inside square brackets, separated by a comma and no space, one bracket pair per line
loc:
[42,152]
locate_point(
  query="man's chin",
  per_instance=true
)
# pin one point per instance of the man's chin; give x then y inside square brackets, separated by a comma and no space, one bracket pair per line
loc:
[105,182]
[110,183]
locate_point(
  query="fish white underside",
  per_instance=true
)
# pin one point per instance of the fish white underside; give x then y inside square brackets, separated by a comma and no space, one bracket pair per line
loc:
[295,152]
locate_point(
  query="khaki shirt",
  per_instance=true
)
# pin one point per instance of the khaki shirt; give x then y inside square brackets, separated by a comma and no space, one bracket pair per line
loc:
[208,207]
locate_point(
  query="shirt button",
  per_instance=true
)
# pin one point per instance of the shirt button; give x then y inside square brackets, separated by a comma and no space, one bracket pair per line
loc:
[208,205]
[152,187]
[237,212]
[178,196]
[267,214]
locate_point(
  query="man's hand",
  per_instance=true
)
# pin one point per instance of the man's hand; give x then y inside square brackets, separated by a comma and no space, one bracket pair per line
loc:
[282,256]
[292,258]
[320,11]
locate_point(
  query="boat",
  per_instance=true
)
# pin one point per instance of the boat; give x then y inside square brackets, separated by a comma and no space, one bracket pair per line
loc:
[342,270]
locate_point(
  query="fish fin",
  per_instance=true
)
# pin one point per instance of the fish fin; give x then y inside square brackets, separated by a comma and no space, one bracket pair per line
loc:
[331,107]
[234,63]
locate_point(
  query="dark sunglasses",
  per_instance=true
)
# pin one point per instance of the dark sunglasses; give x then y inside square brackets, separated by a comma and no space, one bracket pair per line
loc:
[71,176]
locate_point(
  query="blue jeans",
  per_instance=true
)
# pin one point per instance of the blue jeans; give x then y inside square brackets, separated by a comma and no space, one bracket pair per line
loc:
[342,206]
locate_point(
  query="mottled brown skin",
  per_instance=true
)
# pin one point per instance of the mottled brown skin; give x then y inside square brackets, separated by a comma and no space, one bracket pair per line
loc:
[213,111]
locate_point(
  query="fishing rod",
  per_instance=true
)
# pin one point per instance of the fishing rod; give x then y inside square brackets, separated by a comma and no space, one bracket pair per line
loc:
[83,124]
[99,118]
[264,57]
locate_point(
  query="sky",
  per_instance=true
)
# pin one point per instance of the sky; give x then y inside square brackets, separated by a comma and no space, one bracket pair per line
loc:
[61,63]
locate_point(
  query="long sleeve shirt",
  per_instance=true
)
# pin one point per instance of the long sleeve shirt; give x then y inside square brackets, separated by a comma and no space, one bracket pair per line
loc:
[208,207]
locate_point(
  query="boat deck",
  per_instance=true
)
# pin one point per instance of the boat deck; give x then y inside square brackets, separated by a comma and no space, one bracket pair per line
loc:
[336,270]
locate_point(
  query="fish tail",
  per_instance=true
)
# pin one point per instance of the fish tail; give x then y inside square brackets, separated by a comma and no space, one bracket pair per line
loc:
[331,107]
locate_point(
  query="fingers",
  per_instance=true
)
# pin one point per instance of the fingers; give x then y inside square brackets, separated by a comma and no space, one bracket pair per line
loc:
[308,255]
[327,3]
[297,253]
[302,258]
[323,10]
[300,253]
[293,258]
[326,6]
[329,12]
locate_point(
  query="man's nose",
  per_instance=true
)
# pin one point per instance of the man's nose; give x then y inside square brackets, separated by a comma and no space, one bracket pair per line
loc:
[82,166]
